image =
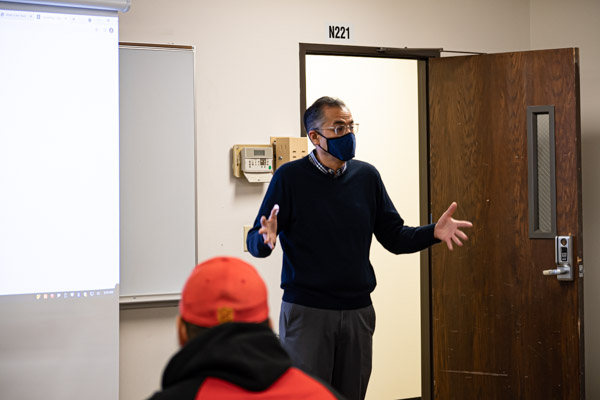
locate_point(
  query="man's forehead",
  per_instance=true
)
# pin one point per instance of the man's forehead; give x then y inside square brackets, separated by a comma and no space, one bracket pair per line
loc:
[341,114]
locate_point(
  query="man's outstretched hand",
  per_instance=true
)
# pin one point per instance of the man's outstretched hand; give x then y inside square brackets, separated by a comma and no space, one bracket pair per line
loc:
[268,227]
[447,228]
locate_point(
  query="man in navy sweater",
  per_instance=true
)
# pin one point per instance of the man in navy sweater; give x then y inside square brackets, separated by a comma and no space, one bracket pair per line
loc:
[325,208]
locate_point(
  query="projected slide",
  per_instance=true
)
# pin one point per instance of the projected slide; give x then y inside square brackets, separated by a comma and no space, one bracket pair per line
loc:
[59,203]
[59,154]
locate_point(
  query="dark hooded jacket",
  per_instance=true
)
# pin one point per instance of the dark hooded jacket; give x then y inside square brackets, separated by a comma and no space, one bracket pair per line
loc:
[238,361]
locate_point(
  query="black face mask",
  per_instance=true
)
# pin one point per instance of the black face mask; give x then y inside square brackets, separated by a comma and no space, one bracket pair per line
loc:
[342,147]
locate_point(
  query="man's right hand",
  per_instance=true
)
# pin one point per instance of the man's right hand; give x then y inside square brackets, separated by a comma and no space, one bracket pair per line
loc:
[268,227]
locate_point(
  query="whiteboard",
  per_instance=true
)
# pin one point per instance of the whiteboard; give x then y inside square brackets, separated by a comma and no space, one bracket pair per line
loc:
[157,171]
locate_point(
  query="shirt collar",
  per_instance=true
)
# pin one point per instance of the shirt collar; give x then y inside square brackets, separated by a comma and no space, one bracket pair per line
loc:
[312,156]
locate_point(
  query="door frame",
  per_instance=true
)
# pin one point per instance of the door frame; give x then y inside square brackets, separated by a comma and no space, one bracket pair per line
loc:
[422,56]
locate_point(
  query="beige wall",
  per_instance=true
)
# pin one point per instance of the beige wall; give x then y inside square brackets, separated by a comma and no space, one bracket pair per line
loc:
[390,123]
[556,23]
[247,89]
[147,341]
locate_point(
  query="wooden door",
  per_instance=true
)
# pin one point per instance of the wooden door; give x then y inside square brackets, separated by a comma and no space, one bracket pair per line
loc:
[500,328]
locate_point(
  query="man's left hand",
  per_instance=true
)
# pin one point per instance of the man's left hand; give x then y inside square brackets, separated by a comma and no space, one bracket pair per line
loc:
[447,228]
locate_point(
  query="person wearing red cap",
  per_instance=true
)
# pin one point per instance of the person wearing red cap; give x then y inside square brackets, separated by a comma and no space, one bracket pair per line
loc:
[228,350]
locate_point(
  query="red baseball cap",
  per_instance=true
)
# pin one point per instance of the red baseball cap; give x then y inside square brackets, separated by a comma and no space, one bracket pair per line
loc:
[224,289]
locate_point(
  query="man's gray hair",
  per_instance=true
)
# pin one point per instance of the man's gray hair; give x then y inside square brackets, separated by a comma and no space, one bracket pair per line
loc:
[313,116]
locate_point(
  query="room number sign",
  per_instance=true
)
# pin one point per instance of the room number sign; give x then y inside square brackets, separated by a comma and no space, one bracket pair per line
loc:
[340,33]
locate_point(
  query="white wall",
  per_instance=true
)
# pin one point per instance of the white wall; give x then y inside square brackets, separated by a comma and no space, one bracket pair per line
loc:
[147,341]
[556,23]
[390,123]
[247,89]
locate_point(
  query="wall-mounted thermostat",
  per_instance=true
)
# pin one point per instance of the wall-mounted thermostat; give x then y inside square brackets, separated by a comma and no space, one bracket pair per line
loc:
[255,162]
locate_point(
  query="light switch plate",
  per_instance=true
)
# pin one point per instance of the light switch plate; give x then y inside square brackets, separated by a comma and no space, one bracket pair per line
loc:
[246,229]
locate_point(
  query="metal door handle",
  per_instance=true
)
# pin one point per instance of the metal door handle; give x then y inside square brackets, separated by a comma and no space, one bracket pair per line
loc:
[563,257]
[557,271]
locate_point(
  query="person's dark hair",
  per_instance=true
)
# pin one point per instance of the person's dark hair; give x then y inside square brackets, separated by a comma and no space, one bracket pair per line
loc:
[313,116]
[195,330]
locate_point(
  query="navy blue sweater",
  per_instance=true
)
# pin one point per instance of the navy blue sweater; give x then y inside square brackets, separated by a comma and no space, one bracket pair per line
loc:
[325,228]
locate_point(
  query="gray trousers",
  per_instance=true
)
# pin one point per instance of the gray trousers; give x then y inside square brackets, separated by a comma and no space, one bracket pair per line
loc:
[335,346]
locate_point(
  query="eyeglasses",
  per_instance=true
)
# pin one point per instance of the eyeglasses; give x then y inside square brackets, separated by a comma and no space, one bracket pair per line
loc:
[340,130]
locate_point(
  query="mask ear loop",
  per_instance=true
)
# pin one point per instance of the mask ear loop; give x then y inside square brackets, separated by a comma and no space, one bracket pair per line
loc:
[326,139]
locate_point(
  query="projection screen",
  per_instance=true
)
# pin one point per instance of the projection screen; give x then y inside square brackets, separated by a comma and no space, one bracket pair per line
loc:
[59,207]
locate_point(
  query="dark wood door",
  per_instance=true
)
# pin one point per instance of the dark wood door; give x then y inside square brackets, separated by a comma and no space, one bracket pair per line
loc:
[500,328]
